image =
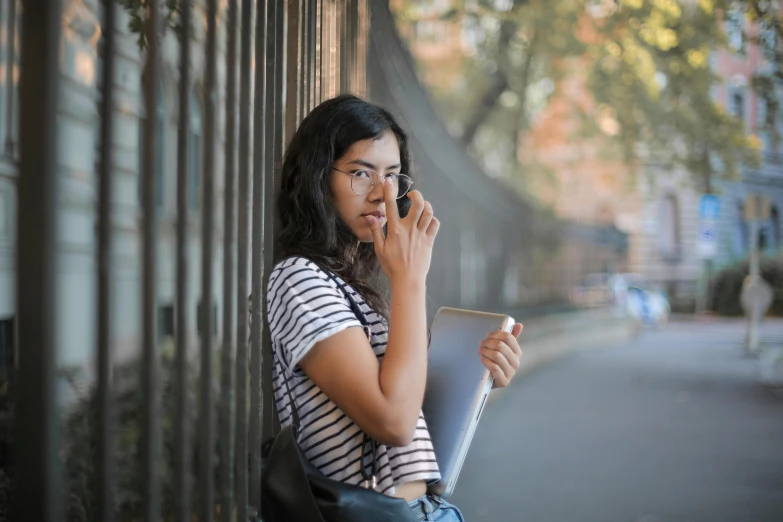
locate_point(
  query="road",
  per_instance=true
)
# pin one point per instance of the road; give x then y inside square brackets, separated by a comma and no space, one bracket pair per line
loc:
[670,427]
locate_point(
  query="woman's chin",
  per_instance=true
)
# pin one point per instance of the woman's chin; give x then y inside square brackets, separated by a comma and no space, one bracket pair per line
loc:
[364,233]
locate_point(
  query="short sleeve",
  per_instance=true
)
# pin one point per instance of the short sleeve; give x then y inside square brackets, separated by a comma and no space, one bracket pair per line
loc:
[304,307]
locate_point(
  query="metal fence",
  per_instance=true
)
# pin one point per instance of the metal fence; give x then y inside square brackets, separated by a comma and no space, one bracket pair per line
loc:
[266,63]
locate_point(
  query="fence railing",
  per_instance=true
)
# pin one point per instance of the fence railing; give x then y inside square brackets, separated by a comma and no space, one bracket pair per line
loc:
[265,64]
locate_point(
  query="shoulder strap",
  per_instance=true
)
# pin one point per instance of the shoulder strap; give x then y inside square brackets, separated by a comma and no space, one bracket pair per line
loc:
[266,355]
[370,479]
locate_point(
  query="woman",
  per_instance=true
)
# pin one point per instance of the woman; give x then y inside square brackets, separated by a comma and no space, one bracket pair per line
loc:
[344,189]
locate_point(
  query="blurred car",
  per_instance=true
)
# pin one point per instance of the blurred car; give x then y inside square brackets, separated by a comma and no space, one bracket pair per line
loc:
[594,293]
[628,293]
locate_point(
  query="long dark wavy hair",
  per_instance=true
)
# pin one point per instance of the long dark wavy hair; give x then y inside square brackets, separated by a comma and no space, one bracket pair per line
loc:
[309,223]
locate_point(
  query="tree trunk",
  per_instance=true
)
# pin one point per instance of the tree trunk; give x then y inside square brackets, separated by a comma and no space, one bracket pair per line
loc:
[499,83]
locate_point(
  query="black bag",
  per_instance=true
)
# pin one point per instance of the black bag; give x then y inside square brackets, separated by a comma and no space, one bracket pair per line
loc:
[293,490]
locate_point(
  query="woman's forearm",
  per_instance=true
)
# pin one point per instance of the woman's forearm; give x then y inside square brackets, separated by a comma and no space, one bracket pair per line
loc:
[403,372]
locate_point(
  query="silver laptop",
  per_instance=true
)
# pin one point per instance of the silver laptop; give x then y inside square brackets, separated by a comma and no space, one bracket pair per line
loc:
[457,386]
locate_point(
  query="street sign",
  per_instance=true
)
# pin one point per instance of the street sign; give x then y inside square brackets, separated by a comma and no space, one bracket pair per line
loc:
[707,241]
[709,207]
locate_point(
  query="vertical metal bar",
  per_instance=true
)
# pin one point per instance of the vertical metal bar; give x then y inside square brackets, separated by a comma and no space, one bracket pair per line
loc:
[105,465]
[333,49]
[337,44]
[348,43]
[353,15]
[207,440]
[293,68]
[270,222]
[358,48]
[326,29]
[4,59]
[319,7]
[38,496]
[9,79]
[279,115]
[344,51]
[242,261]
[305,82]
[311,37]
[226,366]
[182,442]
[150,439]
[264,91]
[363,37]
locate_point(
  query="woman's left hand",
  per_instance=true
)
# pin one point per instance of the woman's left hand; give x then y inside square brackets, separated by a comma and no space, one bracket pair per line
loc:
[500,353]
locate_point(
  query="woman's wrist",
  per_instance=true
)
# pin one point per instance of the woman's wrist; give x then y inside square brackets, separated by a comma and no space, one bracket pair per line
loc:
[408,284]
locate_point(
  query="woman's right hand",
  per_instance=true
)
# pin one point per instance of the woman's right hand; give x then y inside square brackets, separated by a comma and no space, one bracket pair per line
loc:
[405,251]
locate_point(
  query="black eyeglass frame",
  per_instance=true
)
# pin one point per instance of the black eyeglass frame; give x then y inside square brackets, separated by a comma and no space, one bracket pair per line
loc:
[377,177]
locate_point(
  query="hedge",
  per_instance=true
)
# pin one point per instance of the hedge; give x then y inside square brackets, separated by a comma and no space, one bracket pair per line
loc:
[727,286]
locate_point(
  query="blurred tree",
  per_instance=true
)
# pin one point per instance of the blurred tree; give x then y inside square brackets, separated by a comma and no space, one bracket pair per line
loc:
[137,10]
[645,64]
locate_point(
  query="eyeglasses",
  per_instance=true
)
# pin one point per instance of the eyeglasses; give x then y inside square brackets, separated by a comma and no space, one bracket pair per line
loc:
[364,180]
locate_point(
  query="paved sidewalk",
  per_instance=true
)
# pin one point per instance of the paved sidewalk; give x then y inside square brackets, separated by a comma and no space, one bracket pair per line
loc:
[670,427]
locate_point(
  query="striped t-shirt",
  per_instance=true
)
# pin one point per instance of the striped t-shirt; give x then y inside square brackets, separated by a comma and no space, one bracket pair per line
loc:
[305,306]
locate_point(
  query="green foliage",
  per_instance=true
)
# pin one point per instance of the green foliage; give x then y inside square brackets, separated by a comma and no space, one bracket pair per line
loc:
[79,441]
[653,71]
[139,17]
[7,484]
[645,64]
[727,286]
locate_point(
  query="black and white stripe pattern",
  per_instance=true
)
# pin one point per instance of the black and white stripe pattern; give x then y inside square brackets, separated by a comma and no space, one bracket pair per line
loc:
[306,306]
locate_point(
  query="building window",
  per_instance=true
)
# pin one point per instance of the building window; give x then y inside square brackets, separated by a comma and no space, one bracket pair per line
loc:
[7,345]
[768,38]
[763,239]
[194,154]
[214,319]
[737,106]
[159,161]
[735,27]
[766,125]
[166,327]
[669,219]
[9,75]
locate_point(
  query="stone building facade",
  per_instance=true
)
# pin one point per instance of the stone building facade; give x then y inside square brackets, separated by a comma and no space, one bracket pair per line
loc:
[664,243]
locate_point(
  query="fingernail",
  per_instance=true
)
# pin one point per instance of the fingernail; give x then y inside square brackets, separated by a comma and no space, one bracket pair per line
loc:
[387,181]
[370,219]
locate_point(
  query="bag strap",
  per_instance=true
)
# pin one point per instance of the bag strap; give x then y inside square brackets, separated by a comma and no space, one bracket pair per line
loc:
[369,479]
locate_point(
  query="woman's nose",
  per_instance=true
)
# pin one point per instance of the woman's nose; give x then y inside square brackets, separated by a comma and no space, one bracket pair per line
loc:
[376,194]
